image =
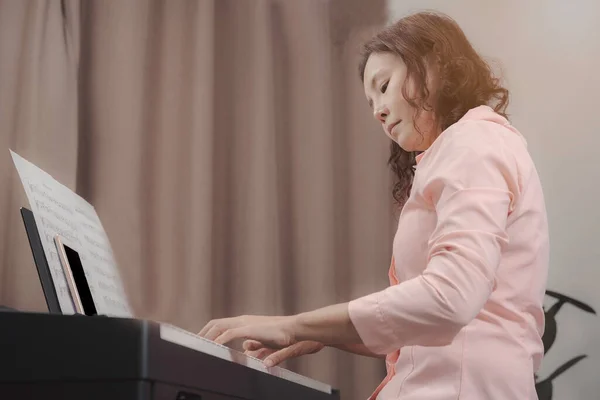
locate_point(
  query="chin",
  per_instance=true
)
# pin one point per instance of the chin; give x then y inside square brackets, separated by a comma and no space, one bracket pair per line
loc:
[406,147]
[410,141]
[407,144]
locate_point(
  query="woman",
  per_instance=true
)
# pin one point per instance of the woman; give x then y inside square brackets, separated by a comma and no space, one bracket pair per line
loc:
[463,316]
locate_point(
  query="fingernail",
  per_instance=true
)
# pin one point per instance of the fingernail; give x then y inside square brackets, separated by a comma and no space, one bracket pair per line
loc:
[269,363]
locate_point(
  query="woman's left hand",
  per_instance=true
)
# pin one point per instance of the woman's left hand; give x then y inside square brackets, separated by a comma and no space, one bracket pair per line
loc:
[272,332]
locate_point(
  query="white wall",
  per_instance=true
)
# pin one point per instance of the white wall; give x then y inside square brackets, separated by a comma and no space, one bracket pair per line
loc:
[550,54]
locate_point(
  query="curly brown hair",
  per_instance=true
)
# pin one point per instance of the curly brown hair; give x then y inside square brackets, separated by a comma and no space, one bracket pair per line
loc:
[463,79]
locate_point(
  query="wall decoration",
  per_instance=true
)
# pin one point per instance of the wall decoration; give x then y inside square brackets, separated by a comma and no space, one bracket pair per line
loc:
[544,387]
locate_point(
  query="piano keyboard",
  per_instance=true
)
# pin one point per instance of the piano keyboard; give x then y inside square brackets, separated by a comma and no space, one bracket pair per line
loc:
[173,334]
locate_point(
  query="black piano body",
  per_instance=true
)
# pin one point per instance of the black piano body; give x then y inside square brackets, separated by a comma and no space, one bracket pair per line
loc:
[73,357]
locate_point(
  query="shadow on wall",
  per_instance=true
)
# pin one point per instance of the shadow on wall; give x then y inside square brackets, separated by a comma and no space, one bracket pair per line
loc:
[544,387]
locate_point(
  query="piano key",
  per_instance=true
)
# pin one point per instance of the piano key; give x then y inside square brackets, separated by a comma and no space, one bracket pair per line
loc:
[176,335]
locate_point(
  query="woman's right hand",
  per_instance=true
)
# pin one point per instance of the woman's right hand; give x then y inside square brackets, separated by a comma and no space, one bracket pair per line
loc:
[273,357]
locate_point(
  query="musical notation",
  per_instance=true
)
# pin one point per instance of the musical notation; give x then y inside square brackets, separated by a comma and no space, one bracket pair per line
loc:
[60,211]
[41,191]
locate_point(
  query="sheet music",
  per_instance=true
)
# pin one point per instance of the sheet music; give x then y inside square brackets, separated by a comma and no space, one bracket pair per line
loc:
[58,210]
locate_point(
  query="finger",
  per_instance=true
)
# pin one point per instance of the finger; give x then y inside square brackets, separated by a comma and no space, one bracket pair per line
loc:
[256,349]
[222,324]
[214,332]
[281,355]
[229,335]
[260,354]
[206,328]
[252,353]
[295,350]
[252,345]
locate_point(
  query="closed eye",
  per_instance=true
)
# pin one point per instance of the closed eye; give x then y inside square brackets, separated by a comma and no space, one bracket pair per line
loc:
[384,86]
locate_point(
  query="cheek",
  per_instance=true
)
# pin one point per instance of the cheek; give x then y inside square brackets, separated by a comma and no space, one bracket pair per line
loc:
[399,101]
[394,96]
[426,121]
[401,107]
[411,88]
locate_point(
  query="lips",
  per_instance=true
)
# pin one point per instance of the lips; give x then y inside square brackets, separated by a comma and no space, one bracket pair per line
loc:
[391,126]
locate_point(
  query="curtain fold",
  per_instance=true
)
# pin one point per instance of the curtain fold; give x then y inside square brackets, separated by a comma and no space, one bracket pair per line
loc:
[226,145]
[39,53]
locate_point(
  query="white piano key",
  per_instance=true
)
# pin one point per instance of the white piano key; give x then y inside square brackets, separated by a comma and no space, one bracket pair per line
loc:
[173,334]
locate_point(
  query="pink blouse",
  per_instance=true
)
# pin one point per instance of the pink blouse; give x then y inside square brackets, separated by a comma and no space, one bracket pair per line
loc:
[463,317]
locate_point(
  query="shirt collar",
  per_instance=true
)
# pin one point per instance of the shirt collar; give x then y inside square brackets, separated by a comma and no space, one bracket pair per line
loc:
[419,156]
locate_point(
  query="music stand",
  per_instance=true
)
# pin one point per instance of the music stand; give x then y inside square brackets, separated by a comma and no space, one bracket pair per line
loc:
[41,262]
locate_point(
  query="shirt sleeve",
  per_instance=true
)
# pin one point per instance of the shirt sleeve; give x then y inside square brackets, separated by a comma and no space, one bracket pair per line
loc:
[472,182]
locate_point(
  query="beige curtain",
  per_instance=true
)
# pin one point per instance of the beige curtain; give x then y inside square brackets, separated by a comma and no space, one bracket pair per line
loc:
[39,53]
[226,145]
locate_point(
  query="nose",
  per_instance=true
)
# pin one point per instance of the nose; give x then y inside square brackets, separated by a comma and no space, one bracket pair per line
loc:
[381,114]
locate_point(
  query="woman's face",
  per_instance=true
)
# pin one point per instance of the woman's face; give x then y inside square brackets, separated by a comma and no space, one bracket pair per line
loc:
[384,76]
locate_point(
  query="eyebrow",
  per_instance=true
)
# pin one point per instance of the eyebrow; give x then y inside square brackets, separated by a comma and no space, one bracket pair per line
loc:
[375,77]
